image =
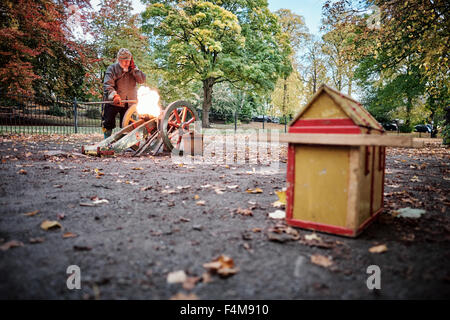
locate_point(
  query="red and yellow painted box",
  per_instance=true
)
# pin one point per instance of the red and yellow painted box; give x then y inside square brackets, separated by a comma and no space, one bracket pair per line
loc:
[334,188]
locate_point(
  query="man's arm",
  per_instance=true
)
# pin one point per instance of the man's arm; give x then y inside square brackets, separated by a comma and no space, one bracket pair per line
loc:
[108,83]
[137,74]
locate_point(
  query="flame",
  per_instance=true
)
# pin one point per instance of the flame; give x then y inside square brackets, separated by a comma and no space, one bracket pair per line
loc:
[148,102]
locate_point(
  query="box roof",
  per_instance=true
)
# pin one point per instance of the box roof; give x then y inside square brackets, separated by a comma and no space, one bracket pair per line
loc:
[352,108]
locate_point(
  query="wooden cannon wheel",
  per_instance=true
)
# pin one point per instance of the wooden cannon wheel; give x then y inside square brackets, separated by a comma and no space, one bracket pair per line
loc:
[178,119]
[130,116]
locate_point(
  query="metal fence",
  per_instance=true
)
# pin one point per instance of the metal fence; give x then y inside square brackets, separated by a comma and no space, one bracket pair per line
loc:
[24,114]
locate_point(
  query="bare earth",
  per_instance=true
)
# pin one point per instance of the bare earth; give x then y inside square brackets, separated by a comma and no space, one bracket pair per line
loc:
[162,217]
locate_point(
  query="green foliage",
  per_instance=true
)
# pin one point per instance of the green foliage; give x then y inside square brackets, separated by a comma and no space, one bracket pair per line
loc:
[446,135]
[93,113]
[239,42]
[405,128]
[402,65]
[55,110]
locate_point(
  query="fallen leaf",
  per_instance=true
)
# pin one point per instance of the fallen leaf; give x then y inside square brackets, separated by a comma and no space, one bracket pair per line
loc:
[137,168]
[315,241]
[247,247]
[60,216]
[223,265]
[82,248]
[98,172]
[313,236]
[244,212]
[233,187]
[36,240]
[196,197]
[22,171]
[282,233]
[409,213]
[219,190]
[183,296]
[176,277]
[32,213]
[206,277]
[226,272]
[378,249]
[281,196]
[279,237]
[95,201]
[190,283]
[256,230]
[321,260]
[256,190]
[278,214]
[47,224]
[169,191]
[278,204]
[11,244]
[200,203]
[69,235]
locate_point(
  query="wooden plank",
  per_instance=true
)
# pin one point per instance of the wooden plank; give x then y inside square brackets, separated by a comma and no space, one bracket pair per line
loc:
[352,221]
[352,140]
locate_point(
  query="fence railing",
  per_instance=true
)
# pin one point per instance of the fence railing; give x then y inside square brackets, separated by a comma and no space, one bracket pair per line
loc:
[24,114]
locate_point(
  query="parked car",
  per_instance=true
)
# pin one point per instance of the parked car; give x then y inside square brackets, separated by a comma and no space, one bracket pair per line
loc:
[423,128]
[275,120]
[390,126]
[262,118]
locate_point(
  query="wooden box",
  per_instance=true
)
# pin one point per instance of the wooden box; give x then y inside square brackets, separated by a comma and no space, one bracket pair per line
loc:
[331,186]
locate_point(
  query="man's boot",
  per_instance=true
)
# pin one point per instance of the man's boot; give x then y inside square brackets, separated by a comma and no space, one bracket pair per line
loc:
[107,133]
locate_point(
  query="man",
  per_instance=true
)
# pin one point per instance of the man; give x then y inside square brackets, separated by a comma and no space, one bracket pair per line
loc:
[119,84]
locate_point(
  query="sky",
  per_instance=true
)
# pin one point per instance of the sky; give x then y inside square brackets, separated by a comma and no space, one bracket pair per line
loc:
[311,10]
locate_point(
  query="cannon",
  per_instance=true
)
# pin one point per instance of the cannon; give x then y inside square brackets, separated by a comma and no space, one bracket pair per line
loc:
[146,132]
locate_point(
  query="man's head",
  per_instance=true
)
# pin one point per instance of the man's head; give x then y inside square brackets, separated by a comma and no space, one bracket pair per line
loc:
[124,58]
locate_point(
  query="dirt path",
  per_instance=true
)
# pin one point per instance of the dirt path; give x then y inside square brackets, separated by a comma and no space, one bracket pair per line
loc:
[162,217]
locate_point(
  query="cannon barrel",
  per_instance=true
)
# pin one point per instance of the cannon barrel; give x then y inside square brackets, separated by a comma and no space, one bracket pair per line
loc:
[147,132]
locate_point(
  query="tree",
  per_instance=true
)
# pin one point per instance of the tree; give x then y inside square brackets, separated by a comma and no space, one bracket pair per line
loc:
[114,27]
[288,94]
[37,52]
[405,55]
[289,89]
[314,71]
[232,41]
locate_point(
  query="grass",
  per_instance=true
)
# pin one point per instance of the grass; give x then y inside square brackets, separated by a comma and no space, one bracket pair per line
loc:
[48,129]
[215,128]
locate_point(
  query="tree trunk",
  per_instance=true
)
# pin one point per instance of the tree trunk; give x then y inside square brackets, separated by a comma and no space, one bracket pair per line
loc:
[207,101]
[349,88]
[408,111]
[284,96]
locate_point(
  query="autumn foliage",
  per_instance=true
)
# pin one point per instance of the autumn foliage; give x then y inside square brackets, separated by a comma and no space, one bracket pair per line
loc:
[32,32]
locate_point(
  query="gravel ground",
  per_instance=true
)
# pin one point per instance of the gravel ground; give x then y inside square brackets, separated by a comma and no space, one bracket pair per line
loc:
[163,217]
